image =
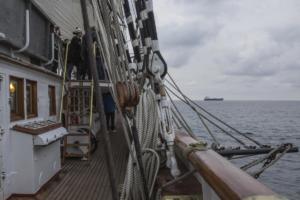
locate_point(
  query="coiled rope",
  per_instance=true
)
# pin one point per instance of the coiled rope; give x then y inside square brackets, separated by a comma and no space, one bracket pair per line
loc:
[147,125]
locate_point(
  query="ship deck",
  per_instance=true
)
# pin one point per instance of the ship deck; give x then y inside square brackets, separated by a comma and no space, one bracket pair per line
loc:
[86,179]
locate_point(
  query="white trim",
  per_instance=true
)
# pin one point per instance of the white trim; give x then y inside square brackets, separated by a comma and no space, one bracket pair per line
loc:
[140,24]
[144,14]
[135,43]
[149,5]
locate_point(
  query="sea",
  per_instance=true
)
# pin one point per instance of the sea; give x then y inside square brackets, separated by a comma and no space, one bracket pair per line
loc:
[269,122]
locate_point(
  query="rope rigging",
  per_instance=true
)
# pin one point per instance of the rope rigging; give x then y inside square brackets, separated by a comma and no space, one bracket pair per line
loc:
[272,156]
[148,124]
[175,86]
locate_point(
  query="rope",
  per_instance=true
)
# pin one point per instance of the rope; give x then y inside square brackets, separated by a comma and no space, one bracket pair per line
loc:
[181,122]
[147,125]
[202,121]
[186,125]
[270,159]
[198,146]
[175,86]
[216,125]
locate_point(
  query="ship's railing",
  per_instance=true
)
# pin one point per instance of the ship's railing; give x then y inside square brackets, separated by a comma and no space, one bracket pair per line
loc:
[219,176]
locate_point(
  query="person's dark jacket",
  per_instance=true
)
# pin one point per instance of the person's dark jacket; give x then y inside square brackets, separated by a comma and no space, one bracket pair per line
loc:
[85,57]
[84,51]
[74,54]
[109,103]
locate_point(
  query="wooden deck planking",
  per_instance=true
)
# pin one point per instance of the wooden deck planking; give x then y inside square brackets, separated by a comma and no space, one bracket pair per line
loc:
[89,179]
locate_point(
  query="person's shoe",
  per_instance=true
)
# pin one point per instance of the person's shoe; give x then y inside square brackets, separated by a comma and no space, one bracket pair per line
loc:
[113,130]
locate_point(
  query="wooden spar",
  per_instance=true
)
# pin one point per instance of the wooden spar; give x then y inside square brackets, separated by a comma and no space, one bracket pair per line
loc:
[99,103]
[228,181]
[233,152]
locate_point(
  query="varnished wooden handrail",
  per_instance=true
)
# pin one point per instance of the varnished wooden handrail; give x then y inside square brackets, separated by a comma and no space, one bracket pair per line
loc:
[227,180]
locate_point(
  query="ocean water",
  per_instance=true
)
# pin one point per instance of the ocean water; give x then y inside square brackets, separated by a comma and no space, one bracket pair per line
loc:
[270,122]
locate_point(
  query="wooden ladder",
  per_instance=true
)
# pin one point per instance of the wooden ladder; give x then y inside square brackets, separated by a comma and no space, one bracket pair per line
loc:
[79,119]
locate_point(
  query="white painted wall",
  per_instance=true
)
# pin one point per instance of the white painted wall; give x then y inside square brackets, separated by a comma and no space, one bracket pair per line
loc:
[43,80]
[33,165]
[1,132]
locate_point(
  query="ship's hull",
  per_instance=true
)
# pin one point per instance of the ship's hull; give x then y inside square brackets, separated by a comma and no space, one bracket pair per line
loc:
[214,99]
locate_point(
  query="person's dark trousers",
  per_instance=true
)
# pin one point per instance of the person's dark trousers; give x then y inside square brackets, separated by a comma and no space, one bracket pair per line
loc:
[100,68]
[110,120]
[80,73]
[85,71]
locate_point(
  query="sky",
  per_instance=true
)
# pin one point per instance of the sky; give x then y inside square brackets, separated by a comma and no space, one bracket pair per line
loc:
[236,49]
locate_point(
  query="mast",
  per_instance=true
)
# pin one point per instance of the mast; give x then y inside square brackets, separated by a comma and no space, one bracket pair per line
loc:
[99,103]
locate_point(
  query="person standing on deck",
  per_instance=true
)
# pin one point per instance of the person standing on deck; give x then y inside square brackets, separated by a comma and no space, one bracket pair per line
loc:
[74,54]
[109,109]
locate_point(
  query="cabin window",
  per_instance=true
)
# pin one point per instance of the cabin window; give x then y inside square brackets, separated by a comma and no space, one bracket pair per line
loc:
[16,93]
[31,99]
[52,100]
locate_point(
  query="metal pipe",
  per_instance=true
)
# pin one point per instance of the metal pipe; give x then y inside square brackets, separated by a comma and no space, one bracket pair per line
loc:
[27,34]
[52,50]
[99,103]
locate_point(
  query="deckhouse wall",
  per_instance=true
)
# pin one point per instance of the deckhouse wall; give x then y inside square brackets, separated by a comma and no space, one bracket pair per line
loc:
[13,29]
[43,80]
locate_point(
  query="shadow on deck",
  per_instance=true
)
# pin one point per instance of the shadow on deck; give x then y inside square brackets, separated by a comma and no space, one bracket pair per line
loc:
[86,179]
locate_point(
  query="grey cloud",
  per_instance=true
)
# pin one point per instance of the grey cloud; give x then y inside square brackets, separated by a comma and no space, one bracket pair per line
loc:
[250,42]
[277,54]
[179,42]
[178,57]
[252,70]
[175,35]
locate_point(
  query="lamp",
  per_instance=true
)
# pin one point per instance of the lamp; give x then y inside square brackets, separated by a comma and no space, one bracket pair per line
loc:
[12,87]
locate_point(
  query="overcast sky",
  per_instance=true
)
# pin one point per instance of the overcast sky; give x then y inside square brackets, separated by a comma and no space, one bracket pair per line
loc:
[236,49]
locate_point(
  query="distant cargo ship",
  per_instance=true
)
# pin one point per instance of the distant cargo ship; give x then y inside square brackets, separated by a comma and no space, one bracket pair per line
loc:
[213,99]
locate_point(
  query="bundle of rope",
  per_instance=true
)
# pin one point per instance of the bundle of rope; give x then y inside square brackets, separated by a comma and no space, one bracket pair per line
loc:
[147,125]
